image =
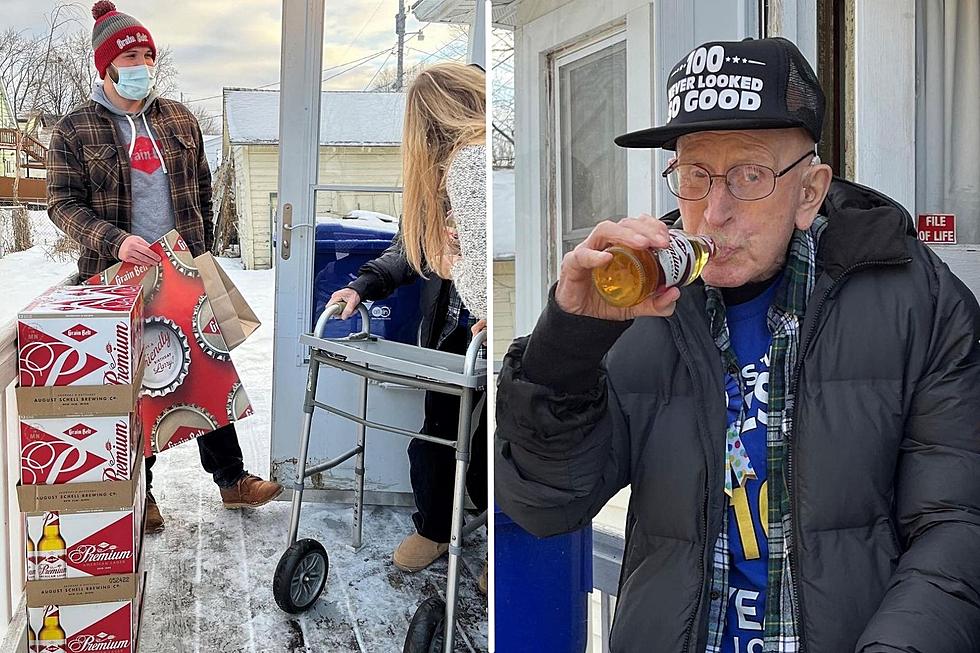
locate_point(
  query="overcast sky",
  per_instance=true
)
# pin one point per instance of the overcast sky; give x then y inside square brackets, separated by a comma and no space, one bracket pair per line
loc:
[220,43]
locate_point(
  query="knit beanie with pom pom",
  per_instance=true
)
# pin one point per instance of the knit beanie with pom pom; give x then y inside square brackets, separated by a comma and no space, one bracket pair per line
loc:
[114,33]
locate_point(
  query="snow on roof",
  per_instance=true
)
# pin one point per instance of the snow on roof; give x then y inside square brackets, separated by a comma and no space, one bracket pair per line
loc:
[346,117]
[444,11]
[504,228]
[212,146]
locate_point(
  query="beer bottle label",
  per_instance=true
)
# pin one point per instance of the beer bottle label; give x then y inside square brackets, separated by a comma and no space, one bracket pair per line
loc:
[31,567]
[51,646]
[676,260]
[51,565]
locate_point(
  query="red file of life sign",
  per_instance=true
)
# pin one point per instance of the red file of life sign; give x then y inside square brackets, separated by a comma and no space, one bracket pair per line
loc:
[939,228]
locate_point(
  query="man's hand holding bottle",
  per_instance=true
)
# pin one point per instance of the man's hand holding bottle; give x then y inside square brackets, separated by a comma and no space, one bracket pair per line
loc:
[576,292]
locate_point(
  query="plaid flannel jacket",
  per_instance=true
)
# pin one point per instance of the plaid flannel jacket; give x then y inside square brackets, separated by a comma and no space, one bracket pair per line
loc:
[88,179]
[785,318]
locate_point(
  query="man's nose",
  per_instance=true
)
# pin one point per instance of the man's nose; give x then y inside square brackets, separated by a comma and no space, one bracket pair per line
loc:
[719,204]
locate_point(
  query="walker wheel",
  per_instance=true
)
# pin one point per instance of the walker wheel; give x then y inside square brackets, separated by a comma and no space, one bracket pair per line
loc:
[300,576]
[426,632]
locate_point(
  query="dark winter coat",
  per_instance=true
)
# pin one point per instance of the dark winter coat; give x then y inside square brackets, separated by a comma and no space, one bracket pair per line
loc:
[884,460]
[379,278]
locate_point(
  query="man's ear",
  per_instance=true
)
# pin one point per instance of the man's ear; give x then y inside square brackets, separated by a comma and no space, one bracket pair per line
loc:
[112,74]
[816,183]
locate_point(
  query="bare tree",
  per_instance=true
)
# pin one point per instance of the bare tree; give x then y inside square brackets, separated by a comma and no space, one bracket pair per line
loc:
[453,50]
[55,22]
[166,70]
[21,56]
[207,121]
[55,78]
[52,73]
[502,95]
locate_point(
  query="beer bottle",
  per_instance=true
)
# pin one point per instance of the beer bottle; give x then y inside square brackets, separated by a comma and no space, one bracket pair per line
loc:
[31,557]
[51,638]
[31,639]
[633,274]
[51,550]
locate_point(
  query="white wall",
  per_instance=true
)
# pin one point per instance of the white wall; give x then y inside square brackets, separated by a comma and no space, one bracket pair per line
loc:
[884,103]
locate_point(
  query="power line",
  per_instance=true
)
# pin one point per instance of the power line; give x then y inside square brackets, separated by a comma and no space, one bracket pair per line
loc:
[380,68]
[347,70]
[419,63]
[373,14]
[359,61]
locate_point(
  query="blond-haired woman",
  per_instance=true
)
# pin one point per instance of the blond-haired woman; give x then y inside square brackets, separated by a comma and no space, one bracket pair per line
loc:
[443,235]
[444,162]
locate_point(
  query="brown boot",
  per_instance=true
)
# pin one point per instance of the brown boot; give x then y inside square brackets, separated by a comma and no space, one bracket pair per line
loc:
[415,553]
[250,492]
[483,582]
[153,521]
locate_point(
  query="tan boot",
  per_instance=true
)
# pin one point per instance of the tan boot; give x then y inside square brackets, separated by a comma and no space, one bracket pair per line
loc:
[153,522]
[483,582]
[415,553]
[250,492]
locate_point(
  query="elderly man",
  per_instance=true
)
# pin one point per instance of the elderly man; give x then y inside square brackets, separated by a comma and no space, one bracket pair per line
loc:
[801,430]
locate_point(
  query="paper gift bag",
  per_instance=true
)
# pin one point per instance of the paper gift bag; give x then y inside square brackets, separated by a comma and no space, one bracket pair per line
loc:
[235,317]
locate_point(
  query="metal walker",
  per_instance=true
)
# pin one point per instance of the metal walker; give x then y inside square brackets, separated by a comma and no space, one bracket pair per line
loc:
[302,570]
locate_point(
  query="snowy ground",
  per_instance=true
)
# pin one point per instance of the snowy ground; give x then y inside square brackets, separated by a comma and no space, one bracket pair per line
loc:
[24,276]
[211,570]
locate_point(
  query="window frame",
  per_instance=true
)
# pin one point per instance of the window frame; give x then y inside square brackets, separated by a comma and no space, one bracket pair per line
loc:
[559,223]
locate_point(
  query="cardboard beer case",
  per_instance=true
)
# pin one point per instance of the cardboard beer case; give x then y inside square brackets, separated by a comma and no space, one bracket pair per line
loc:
[109,619]
[81,335]
[78,532]
[80,352]
[60,450]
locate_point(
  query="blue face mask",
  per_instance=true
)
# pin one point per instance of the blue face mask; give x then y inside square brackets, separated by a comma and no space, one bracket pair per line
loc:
[135,82]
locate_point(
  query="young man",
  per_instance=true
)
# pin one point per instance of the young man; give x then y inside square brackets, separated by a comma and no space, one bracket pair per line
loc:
[125,168]
[800,430]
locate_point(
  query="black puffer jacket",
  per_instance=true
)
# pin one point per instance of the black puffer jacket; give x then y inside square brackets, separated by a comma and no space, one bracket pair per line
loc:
[884,461]
[379,278]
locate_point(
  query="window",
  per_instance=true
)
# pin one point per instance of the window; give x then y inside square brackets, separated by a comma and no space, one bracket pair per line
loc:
[273,208]
[590,170]
[947,132]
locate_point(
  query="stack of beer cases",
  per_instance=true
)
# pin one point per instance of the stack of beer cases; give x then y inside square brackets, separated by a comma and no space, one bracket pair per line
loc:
[80,354]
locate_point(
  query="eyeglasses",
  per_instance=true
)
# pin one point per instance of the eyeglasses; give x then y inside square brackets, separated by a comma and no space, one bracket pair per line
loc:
[747,181]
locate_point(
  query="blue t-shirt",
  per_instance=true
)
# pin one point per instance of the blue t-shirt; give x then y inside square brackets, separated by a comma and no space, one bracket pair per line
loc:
[747,515]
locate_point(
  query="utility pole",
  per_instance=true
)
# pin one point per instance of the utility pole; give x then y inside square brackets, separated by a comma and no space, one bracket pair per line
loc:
[400,31]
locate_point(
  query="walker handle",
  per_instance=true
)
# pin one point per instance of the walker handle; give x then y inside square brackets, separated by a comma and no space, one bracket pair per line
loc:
[334,310]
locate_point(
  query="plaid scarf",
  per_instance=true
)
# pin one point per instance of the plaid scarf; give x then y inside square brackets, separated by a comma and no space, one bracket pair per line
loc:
[456,316]
[784,319]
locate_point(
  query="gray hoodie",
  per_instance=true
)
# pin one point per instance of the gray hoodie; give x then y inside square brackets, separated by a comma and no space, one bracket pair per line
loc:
[153,214]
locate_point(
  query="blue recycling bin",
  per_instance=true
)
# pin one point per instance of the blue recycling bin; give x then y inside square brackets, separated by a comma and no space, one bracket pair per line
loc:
[342,247]
[542,589]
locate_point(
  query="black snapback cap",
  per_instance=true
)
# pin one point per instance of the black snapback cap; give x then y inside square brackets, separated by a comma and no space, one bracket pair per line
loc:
[726,85]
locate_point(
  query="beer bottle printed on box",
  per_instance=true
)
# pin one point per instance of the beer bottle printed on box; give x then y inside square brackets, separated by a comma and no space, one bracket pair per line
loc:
[51,551]
[31,558]
[51,638]
[31,639]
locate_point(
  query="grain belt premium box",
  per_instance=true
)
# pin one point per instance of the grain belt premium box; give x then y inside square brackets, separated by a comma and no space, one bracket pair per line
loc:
[79,531]
[59,450]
